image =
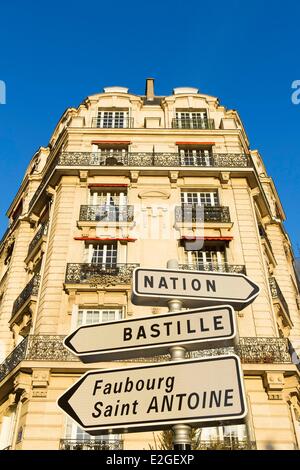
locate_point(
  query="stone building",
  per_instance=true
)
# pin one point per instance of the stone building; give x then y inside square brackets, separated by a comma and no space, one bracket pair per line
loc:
[108,194]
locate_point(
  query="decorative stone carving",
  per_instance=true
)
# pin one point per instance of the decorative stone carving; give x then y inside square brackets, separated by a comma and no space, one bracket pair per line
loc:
[40,382]
[134,176]
[83,176]
[22,386]
[50,191]
[225,177]
[154,194]
[173,176]
[274,384]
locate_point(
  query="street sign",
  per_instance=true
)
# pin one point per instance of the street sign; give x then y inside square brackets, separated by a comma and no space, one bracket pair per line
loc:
[196,392]
[194,288]
[146,336]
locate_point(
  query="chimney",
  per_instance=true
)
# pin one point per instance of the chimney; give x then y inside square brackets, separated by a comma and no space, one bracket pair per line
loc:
[149,92]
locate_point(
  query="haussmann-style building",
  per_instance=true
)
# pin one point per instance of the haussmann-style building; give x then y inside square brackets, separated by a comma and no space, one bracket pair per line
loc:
[108,194]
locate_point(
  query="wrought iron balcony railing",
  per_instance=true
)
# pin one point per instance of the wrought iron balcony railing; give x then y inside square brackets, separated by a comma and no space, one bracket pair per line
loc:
[99,274]
[43,230]
[222,267]
[151,159]
[252,350]
[90,444]
[13,359]
[255,350]
[36,348]
[264,350]
[227,444]
[31,289]
[115,122]
[193,123]
[194,213]
[106,213]
[277,294]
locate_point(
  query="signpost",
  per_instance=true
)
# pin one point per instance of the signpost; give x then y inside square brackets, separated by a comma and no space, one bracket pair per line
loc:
[180,393]
[193,288]
[199,391]
[205,328]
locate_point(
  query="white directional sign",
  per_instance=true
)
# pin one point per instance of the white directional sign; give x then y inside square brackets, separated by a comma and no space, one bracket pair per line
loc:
[196,392]
[194,329]
[194,288]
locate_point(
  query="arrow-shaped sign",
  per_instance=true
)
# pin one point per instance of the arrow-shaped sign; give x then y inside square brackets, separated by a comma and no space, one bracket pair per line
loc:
[194,288]
[142,398]
[193,329]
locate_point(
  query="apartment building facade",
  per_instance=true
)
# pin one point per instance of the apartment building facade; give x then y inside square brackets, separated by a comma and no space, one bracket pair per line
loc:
[119,186]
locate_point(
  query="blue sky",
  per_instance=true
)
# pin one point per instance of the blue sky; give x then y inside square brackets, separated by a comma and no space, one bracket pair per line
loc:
[244,52]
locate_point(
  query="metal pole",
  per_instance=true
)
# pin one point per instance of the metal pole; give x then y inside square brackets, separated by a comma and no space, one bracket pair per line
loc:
[181,432]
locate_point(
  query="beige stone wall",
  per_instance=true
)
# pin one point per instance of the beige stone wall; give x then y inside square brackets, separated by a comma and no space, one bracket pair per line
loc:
[273,396]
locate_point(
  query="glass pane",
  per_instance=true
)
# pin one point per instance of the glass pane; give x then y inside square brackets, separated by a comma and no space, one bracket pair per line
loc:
[80,318]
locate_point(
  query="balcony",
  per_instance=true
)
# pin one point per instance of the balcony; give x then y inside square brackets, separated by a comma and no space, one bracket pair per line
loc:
[227,444]
[278,297]
[99,274]
[222,267]
[188,213]
[255,350]
[252,350]
[90,444]
[38,238]
[30,290]
[193,123]
[104,213]
[116,122]
[151,159]
[36,348]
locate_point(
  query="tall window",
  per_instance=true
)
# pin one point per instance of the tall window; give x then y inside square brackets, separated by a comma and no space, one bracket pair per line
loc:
[103,254]
[113,119]
[7,429]
[203,198]
[98,315]
[107,198]
[108,206]
[191,120]
[195,157]
[209,258]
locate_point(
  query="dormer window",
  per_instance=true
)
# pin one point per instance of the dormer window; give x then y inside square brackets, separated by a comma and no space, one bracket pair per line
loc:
[117,119]
[192,120]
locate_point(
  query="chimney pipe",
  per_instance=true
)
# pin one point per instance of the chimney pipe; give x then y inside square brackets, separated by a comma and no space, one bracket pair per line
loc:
[149,92]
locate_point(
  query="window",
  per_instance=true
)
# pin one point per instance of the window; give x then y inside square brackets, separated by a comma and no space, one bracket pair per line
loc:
[92,316]
[191,120]
[210,257]
[107,198]
[227,434]
[195,157]
[77,437]
[103,254]
[108,205]
[203,198]
[113,119]
[7,429]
